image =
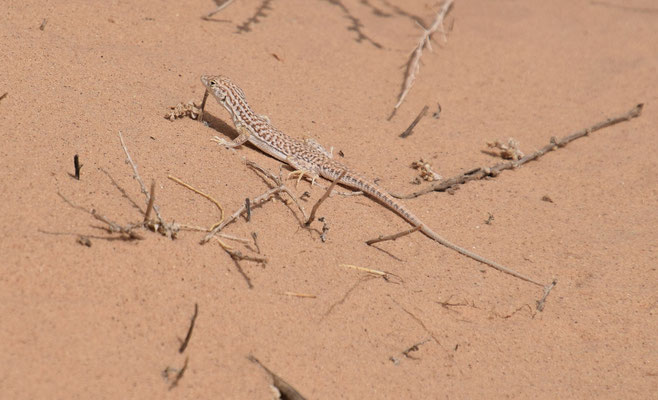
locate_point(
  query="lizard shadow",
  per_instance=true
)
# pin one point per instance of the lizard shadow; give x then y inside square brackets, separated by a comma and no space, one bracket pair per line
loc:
[219,125]
[225,129]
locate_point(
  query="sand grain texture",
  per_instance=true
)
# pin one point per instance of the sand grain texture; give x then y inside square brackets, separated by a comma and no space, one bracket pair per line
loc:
[104,321]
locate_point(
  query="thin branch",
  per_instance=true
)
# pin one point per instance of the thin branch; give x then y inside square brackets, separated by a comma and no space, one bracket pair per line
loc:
[256,201]
[415,122]
[162,227]
[286,390]
[112,226]
[386,275]
[394,236]
[481,173]
[413,66]
[122,191]
[77,166]
[149,207]
[324,197]
[279,183]
[139,179]
[179,375]
[547,290]
[414,347]
[237,255]
[185,342]
[220,6]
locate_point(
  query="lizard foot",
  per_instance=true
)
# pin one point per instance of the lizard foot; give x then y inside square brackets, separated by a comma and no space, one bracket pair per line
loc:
[300,173]
[220,141]
[225,143]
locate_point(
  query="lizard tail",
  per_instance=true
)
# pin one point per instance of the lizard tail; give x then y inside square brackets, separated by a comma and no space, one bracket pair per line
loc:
[384,197]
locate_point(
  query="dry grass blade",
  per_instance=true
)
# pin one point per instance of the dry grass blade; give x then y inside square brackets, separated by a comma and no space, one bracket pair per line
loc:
[207,196]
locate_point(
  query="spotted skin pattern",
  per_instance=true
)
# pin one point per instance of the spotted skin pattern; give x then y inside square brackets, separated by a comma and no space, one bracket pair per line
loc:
[312,159]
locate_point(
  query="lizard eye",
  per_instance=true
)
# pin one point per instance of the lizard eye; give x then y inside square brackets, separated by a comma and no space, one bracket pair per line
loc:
[213,82]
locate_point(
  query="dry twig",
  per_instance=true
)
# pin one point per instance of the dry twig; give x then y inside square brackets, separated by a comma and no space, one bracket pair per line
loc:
[76,167]
[376,272]
[277,180]
[186,341]
[112,227]
[221,4]
[257,201]
[394,236]
[179,375]
[324,197]
[169,230]
[415,122]
[547,290]
[413,66]
[284,388]
[481,173]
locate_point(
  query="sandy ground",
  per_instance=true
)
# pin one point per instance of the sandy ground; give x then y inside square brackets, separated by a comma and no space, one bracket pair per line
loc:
[105,321]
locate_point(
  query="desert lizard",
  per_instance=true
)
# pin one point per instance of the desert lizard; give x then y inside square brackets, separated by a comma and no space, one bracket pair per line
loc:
[309,157]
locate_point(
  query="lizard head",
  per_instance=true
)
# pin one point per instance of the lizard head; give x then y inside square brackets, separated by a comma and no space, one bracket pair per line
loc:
[225,91]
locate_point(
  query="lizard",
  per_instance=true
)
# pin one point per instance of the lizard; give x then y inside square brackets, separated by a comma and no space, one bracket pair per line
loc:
[310,158]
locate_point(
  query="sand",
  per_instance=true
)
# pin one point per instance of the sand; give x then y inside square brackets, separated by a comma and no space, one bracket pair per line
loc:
[105,321]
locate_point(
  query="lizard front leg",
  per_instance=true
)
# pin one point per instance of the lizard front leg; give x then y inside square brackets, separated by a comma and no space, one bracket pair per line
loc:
[238,141]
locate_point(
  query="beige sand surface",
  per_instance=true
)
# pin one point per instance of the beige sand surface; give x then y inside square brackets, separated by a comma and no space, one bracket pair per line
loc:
[105,321]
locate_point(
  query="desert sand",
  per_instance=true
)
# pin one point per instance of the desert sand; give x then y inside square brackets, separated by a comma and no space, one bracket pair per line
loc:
[105,319]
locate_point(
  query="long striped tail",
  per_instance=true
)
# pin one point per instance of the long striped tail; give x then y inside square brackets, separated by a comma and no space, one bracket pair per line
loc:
[380,195]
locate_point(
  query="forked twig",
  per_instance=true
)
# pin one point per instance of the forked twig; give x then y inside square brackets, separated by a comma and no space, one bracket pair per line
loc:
[162,227]
[279,183]
[256,201]
[112,227]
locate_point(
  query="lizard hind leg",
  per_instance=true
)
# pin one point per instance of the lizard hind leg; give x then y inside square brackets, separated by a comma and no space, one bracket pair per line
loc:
[301,173]
[302,168]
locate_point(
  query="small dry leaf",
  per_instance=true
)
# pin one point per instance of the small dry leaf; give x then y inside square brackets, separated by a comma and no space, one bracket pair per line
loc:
[426,171]
[509,150]
[181,110]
